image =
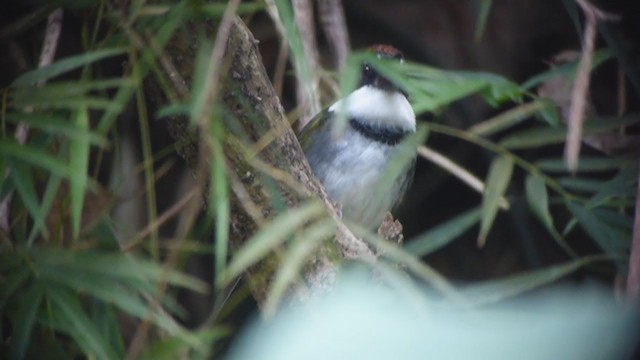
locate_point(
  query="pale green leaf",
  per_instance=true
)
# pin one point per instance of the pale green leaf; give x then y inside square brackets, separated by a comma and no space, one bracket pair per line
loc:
[497,183]
[443,234]
[65,65]
[79,164]
[294,259]
[497,290]
[67,312]
[272,235]
[25,317]
[538,199]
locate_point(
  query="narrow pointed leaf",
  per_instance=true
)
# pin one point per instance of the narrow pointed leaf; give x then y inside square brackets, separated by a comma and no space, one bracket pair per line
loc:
[497,183]
[24,320]
[68,312]
[497,290]
[23,180]
[268,238]
[295,258]
[62,66]
[442,234]
[538,199]
[79,163]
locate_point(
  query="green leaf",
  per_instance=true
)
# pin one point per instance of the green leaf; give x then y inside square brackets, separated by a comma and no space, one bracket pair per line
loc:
[79,164]
[532,138]
[607,237]
[125,296]
[442,234]
[25,318]
[508,118]
[34,156]
[270,236]
[15,277]
[219,193]
[497,290]
[587,164]
[412,263]
[23,180]
[56,125]
[538,199]
[65,65]
[566,70]
[115,265]
[68,313]
[483,15]
[177,348]
[497,183]
[294,259]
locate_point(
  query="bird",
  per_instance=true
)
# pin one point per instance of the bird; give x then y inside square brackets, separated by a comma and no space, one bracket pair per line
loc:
[351,164]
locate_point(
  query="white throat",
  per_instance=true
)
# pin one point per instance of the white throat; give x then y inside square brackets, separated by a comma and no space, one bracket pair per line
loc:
[378,107]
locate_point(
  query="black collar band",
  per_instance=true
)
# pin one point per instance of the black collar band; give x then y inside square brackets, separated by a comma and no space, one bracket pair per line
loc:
[389,136]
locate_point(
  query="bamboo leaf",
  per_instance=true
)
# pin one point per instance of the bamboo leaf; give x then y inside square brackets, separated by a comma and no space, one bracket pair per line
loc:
[34,156]
[542,136]
[177,347]
[483,15]
[538,199]
[442,234]
[65,65]
[115,265]
[587,164]
[23,181]
[268,238]
[293,261]
[607,237]
[497,290]
[497,183]
[56,125]
[79,164]
[25,318]
[68,313]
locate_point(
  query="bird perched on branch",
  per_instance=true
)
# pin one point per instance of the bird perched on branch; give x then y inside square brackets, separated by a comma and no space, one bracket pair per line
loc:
[354,164]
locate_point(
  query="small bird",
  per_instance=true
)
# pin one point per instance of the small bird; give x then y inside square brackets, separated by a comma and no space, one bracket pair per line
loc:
[352,164]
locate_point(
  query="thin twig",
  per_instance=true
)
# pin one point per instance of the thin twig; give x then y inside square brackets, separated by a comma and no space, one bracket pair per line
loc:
[307,93]
[457,171]
[166,216]
[334,26]
[581,84]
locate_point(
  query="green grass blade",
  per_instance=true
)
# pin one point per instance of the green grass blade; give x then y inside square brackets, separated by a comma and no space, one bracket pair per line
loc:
[67,312]
[65,65]
[497,183]
[219,194]
[602,233]
[497,290]
[25,318]
[56,125]
[34,156]
[268,238]
[289,268]
[79,164]
[483,15]
[23,180]
[538,199]
[442,234]
[177,347]
[587,164]
[508,118]
[125,296]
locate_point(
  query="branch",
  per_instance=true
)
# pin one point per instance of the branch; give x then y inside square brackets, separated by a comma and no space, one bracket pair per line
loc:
[249,97]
